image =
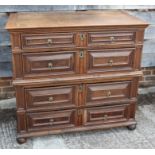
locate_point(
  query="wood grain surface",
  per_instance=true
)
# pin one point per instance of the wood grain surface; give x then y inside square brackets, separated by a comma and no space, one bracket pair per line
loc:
[75,71]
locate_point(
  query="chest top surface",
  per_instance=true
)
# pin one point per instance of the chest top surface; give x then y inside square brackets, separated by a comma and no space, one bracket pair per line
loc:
[72,19]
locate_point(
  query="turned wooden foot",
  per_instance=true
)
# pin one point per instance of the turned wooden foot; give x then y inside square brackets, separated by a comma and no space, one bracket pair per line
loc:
[21,140]
[132,127]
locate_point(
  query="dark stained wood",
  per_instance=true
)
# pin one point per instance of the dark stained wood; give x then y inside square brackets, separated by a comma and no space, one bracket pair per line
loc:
[75,71]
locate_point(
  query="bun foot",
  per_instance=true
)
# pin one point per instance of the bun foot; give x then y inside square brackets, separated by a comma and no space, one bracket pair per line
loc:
[132,127]
[21,140]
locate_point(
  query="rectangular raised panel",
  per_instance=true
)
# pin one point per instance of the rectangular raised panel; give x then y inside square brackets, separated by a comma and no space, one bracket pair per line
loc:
[107,93]
[51,120]
[111,38]
[49,63]
[105,115]
[51,97]
[49,40]
[104,60]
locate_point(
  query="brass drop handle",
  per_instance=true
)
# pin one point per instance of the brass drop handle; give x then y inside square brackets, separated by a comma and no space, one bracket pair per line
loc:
[105,117]
[112,38]
[50,65]
[49,41]
[110,62]
[51,99]
[82,37]
[51,121]
[108,93]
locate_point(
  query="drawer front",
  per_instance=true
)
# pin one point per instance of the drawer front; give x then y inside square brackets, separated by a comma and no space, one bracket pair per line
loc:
[104,115]
[51,97]
[110,60]
[53,40]
[111,38]
[49,63]
[107,93]
[51,120]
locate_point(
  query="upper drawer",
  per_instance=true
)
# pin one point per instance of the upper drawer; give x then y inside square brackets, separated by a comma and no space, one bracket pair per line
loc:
[104,60]
[49,40]
[49,63]
[111,38]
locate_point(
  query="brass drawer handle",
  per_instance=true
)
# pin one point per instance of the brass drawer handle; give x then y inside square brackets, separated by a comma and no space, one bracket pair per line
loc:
[108,93]
[51,121]
[82,36]
[105,117]
[51,99]
[49,41]
[50,65]
[112,38]
[110,62]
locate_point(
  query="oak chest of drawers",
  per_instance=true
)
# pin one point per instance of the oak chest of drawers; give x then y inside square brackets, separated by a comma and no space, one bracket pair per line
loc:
[75,71]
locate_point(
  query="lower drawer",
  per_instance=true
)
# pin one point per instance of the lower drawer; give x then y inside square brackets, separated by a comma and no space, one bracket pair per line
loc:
[104,115]
[75,119]
[49,120]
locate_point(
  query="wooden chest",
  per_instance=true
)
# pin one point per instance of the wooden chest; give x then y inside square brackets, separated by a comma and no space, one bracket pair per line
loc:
[75,71]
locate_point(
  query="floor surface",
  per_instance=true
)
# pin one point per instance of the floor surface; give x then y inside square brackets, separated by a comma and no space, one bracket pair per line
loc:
[142,137]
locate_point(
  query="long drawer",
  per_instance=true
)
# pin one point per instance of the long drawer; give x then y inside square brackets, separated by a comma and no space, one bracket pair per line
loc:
[59,120]
[41,41]
[75,62]
[45,98]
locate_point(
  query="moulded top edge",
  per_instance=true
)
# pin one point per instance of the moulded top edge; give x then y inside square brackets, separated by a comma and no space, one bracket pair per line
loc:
[72,19]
